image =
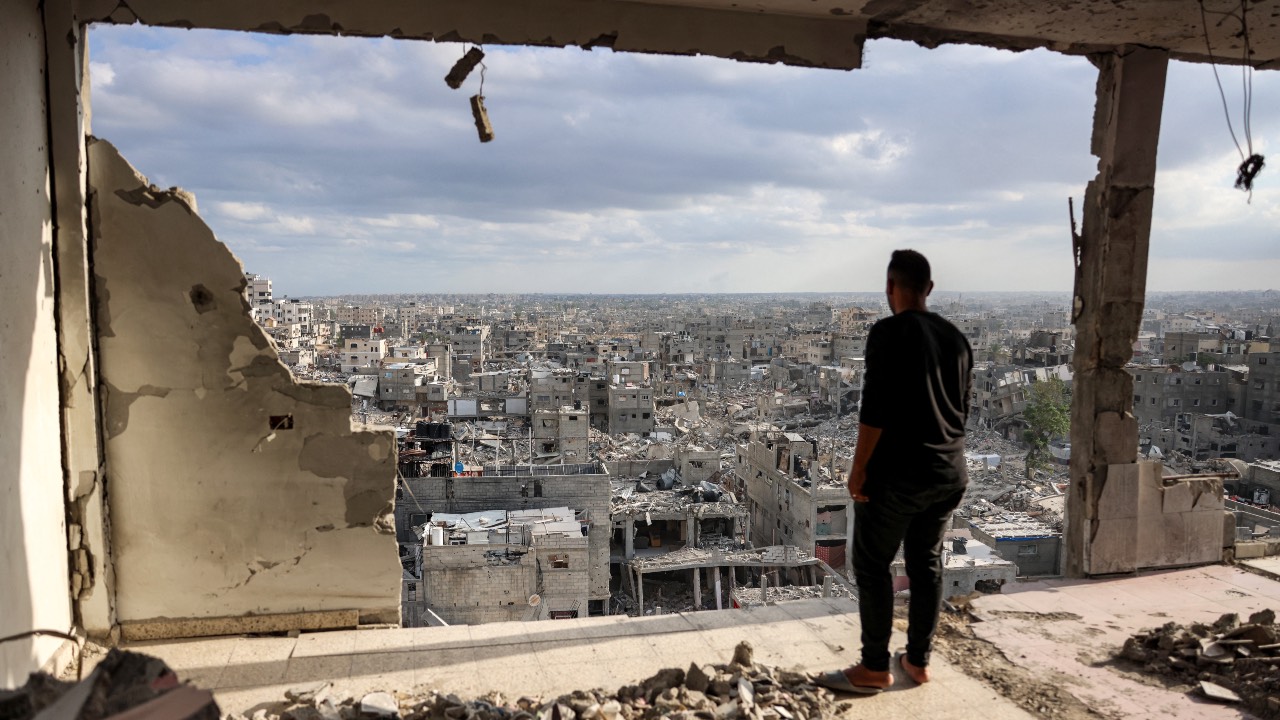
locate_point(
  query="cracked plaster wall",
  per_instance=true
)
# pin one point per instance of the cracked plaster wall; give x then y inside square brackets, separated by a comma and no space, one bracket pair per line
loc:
[213,514]
[33,539]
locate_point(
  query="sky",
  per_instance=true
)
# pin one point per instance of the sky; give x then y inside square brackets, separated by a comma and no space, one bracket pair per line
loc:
[346,165]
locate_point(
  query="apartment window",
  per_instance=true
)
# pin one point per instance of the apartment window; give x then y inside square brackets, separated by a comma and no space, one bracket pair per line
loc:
[644,416]
[1137,399]
[1214,402]
[1175,402]
[1028,550]
[1137,378]
[413,592]
[1259,384]
[1262,361]
[1197,381]
[1195,403]
[1153,401]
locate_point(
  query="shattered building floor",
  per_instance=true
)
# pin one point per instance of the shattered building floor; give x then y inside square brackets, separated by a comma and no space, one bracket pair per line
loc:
[1040,649]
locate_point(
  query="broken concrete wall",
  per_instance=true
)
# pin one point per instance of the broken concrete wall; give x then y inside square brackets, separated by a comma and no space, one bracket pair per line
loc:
[1143,523]
[233,488]
[33,538]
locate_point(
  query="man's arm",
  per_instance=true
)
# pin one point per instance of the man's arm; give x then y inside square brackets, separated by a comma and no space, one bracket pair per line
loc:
[868,436]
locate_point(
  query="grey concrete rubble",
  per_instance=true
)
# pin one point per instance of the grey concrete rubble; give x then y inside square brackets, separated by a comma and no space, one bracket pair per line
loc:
[741,688]
[1227,661]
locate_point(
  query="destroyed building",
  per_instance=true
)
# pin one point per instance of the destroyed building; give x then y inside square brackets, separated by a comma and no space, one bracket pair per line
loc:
[561,435]
[791,502]
[655,515]
[1031,545]
[102,268]
[498,565]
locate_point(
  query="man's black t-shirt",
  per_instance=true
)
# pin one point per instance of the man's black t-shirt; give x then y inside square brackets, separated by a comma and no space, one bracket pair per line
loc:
[916,390]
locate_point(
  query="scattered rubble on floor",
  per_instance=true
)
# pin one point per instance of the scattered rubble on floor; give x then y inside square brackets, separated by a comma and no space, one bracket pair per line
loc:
[1042,696]
[741,688]
[1226,662]
[138,684]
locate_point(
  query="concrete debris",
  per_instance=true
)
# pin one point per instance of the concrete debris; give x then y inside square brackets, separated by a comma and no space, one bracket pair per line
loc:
[1227,661]
[141,686]
[739,689]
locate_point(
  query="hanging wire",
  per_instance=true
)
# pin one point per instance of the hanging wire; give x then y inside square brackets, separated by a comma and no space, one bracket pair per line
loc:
[1204,21]
[1251,163]
[483,67]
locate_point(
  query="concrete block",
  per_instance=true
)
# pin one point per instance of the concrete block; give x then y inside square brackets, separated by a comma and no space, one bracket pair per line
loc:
[1250,549]
[1203,538]
[1228,529]
[1162,540]
[1177,498]
[1114,547]
[1119,497]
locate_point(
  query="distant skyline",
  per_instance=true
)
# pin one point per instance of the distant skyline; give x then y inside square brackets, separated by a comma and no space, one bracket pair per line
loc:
[346,166]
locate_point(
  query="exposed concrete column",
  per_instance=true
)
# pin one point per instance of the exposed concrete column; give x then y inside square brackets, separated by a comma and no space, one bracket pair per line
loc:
[629,535]
[92,579]
[1110,282]
[691,532]
[719,593]
[697,589]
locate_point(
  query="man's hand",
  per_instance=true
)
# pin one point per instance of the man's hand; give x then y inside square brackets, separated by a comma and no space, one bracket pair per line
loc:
[857,478]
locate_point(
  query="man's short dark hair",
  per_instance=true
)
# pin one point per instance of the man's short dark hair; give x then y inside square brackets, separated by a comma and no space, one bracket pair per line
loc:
[910,269]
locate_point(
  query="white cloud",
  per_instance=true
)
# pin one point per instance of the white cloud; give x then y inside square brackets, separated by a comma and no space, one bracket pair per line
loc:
[101,75]
[321,155]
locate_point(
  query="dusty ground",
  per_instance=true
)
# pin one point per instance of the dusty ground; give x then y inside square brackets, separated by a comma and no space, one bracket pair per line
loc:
[1042,696]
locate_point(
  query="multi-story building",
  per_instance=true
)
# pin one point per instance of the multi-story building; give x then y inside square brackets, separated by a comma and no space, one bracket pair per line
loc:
[362,354]
[257,291]
[356,315]
[631,409]
[561,435]
[583,488]
[472,342]
[791,502]
[1161,392]
[1262,395]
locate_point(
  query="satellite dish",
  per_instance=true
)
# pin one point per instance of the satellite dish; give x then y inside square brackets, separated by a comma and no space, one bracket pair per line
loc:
[534,600]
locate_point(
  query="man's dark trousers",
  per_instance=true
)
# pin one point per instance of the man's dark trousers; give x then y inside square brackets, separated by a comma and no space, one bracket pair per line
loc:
[918,520]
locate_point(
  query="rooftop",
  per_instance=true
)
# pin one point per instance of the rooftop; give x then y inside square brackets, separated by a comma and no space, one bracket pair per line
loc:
[1049,631]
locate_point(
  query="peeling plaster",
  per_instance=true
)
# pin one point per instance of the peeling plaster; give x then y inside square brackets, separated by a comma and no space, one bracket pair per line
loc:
[216,513]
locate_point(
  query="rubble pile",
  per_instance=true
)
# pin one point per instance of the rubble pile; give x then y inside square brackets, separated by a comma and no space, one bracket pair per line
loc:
[741,688]
[122,684]
[750,596]
[1227,661]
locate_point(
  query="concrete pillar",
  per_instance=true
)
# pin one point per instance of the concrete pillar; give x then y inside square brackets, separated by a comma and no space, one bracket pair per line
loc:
[92,575]
[691,532]
[640,591]
[629,535]
[1110,282]
[719,594]
[697,589]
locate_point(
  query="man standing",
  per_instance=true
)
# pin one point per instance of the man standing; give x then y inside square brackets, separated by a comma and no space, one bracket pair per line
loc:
[908,471]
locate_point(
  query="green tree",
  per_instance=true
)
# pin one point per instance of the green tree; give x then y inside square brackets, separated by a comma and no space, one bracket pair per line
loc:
[1048,415]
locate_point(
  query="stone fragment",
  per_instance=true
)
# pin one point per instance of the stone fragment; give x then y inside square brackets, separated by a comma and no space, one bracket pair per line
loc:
[379,704]
[727,710]
[1263,617]
[1214,691]
[695,678]
[746,693]
[306,693]
[744,654]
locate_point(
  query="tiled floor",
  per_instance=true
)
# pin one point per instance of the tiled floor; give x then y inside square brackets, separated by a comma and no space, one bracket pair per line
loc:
[558,656]
[1070,630]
